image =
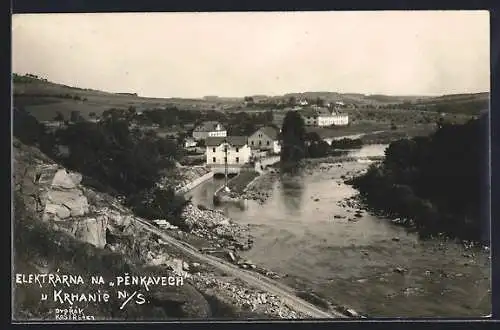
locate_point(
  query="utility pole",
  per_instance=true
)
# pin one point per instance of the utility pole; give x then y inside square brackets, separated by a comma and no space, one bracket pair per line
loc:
[225,162]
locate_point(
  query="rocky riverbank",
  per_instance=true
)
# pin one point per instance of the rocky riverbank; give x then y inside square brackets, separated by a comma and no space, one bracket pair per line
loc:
[260,188]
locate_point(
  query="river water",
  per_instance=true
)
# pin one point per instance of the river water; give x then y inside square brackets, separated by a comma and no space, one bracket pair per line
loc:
[353,263]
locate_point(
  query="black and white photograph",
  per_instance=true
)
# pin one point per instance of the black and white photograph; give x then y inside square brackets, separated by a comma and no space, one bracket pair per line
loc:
[250,166]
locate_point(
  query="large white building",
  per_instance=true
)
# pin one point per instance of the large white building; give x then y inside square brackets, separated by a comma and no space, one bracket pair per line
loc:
[238,152]
[322,117]
[209,129]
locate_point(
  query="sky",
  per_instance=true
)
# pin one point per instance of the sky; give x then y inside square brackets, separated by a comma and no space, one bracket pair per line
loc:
[249,53]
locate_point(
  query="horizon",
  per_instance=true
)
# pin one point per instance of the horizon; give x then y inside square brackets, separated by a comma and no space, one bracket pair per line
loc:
[263,95]
[282,53]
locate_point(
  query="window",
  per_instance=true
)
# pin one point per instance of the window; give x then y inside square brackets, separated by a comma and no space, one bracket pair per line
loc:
[267,142]
[225,159]
[237,149]
[252,142]
[237,159]
[214,160]
[213,149]
[260,143]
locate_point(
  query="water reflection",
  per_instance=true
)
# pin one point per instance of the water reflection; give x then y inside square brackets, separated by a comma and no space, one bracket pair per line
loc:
[291,192]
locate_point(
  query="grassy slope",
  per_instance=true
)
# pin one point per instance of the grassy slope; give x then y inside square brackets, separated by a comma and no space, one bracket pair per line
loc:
[39,98]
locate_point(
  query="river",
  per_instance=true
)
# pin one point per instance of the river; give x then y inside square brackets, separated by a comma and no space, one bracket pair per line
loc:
[353,263]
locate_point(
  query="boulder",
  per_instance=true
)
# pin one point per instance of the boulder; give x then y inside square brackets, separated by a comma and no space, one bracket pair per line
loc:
[61,211]
[91,230]
[66,181]
[73,200]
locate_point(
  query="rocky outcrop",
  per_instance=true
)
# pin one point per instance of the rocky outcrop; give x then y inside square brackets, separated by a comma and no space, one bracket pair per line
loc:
[91,230]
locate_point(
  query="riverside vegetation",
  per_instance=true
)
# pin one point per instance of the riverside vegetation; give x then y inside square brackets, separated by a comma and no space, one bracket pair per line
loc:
[439,181]
[436,181]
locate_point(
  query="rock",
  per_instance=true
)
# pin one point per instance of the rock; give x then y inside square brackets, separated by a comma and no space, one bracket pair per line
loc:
[224,222]
[60,211]
[185,266]
[63,180]
[159,260]
[400,270]
[91,230]
[351,312]
[73,200]
[231,256]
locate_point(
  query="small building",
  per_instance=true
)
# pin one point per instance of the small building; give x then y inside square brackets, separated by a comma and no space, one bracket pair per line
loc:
[209,129]
[238,152]
[190,143]
[265,138]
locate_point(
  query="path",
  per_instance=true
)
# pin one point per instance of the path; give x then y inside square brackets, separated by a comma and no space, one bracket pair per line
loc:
[253,279]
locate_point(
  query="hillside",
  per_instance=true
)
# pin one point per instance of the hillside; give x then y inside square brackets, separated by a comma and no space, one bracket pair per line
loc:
[45,100]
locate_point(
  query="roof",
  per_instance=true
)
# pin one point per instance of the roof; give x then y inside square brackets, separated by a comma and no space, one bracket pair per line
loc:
[235,141]
[269,131]
[208,126]
[315,112]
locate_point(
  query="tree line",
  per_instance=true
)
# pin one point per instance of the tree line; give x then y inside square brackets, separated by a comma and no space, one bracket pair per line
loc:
[438,181]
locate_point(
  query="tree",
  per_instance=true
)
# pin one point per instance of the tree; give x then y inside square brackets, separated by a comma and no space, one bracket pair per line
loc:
[59,116]
[75,116]
[293,133]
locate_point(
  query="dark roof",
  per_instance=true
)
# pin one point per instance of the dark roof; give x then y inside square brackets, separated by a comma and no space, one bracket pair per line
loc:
[309,112]
[235,141]
[269,131]
[208,126]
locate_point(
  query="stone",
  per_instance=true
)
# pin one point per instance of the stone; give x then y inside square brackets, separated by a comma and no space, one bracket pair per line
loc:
[78,206]
[399,270]
[158,260]
[63,180]
[224,222]
[91,230]
[61,211]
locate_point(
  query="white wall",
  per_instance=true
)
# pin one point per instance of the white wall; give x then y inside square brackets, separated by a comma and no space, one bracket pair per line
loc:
[222,133]
[276,147]
[243,155]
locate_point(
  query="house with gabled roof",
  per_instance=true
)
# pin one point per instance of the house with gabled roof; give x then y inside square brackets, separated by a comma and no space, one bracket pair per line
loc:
[235,148]
[209,129]
[265,138]
[323,117]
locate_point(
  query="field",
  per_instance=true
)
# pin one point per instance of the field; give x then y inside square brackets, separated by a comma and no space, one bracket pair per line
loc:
[45,99]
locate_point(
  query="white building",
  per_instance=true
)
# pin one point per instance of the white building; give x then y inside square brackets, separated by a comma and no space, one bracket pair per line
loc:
[209,129]
[340,119]
[322,117]
[238,152]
